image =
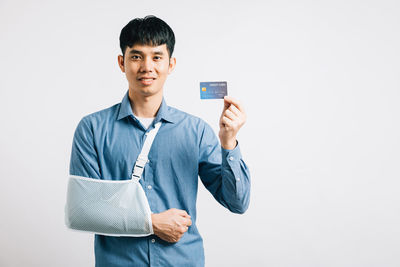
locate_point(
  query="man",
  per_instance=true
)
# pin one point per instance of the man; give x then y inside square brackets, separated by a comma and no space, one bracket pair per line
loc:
[107,143]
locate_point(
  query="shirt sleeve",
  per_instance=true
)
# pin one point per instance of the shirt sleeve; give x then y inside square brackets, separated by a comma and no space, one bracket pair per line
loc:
[84,159]
[224,173]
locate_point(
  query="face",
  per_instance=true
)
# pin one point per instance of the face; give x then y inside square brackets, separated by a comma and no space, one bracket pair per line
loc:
[146,68]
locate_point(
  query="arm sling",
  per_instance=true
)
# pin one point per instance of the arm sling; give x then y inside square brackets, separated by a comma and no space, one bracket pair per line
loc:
[111,207]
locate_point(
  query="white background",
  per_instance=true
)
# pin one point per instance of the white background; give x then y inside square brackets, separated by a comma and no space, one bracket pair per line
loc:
[320,84]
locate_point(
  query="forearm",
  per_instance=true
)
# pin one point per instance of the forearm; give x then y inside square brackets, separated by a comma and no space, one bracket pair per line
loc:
[91,207]
[235,181]
[228,179]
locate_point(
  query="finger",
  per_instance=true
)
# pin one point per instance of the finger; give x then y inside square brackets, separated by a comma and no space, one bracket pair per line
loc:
[186,224]
[226,121]
[189,222]
[182,213]
[233,101]
[187,216]
[226,105]
[183,229]
[234,110]
[230,114]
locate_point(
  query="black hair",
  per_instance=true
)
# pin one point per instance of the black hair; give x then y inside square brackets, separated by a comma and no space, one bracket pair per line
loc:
[149,30]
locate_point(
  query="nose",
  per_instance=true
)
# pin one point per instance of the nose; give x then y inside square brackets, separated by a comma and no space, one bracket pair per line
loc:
[146,65]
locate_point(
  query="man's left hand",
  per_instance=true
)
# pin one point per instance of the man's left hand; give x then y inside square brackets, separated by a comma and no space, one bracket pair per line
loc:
[232,119]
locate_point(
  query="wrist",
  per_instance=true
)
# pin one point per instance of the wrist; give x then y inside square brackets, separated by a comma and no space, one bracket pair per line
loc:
[153,221]
[229,145]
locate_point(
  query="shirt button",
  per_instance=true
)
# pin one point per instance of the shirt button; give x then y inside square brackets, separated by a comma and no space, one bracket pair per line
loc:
[149,187]
[237,179]
[231,158]
[153,240]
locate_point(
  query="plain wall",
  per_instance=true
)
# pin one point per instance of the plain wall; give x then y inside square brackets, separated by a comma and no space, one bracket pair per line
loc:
[319,81]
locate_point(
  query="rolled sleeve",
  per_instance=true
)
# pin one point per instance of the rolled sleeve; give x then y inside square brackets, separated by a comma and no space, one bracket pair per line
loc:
[84,159]
[224,173]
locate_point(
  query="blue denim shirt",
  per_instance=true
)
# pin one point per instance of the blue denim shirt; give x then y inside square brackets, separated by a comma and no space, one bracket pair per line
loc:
[106,145]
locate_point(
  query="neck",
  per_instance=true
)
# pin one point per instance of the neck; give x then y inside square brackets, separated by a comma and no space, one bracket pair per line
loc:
[145,106]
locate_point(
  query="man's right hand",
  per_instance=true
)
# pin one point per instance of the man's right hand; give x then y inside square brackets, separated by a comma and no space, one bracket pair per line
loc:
[170,225]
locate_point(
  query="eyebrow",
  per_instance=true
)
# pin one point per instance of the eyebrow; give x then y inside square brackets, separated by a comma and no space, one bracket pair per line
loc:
[133,51]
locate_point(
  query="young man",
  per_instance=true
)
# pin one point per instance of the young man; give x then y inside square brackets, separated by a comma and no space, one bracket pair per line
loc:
[107,143]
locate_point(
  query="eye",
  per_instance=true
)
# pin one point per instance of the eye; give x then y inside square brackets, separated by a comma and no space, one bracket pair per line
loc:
[135,57]
[157,58]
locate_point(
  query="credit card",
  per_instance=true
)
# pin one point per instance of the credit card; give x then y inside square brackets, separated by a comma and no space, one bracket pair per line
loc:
[213,90]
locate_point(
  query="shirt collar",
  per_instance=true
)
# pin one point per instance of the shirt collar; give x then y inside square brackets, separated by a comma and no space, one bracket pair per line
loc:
[164,112]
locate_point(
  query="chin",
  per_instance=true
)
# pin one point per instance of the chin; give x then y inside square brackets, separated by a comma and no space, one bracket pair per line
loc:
[145,92]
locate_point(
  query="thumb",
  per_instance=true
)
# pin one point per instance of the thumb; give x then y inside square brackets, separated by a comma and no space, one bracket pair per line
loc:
[227,103]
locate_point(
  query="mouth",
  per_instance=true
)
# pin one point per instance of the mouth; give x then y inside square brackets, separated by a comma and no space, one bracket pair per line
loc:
[146,80]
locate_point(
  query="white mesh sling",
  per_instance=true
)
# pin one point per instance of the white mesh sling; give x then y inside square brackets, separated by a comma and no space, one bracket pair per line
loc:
[111,207]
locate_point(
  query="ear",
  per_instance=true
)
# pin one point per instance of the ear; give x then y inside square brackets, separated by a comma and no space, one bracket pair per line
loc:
[121,62]
[172,63]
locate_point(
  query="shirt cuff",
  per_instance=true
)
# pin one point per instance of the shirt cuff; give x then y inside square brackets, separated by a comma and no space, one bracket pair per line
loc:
[231,155]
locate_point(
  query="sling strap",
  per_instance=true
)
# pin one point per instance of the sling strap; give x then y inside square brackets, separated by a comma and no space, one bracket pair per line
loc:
[111,207]
[143,159]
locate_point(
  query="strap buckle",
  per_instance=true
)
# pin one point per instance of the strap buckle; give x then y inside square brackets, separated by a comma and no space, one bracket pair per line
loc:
[141,161]
[139,167]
